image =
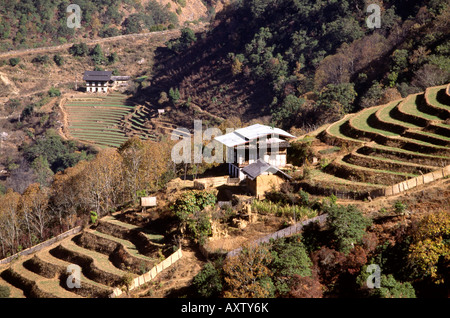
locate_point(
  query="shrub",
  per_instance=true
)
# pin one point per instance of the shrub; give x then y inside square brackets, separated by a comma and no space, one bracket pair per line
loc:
[347,225]
[80,49]
[399,207]
[208,282]
[14,61]
[41,59]
[58,59]
[54,92]
[94,217]
[304,197]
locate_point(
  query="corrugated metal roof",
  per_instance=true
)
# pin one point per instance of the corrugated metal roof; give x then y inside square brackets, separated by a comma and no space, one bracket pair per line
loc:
[243,135]
[259,167]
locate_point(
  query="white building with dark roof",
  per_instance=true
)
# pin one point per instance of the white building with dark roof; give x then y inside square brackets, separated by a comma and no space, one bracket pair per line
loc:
[102,81]
[246,145]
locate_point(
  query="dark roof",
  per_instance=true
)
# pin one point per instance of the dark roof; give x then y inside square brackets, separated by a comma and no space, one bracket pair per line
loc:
[259,167]
[99,76]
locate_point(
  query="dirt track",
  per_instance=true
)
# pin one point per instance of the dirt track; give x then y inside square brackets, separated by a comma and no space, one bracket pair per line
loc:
[171,33]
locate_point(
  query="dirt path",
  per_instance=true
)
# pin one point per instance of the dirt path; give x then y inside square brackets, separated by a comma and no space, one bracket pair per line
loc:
[172,33]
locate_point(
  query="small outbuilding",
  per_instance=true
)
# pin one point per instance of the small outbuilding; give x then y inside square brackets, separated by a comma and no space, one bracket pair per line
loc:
[262,177]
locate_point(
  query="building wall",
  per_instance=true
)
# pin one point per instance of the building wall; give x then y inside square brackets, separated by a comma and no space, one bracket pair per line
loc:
[264,183]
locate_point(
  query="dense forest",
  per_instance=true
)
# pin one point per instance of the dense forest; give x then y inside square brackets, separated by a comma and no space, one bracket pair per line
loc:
[303,63]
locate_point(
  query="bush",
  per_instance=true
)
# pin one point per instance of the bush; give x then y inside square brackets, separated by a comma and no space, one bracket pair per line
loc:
[304,197]
[14,61]
[399,207]
[58,59]
[208,282]
[41,59]
[80,49]
[54,92]
[189,210]
[94,217]
[347,224]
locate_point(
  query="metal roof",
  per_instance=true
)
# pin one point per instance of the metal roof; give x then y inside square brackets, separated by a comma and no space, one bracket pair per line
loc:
[259,167]
[244,135]
[99,76]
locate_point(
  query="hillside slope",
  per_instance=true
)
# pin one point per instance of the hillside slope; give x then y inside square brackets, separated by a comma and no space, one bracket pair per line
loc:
[323,63]
[365,153]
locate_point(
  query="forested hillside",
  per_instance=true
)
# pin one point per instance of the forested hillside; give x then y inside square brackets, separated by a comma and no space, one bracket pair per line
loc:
[303,63]
[28,23]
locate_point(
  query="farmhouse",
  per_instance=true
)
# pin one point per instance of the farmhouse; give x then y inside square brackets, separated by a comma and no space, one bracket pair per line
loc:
[246,146]
[101,81]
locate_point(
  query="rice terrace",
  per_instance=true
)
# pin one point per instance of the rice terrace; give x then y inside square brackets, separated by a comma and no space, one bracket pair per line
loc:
[110,255]
[107,120]
[384,145]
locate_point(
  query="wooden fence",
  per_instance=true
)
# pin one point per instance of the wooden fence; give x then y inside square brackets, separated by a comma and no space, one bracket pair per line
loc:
[414,182]
[293,229]
[145,278]
[42,245]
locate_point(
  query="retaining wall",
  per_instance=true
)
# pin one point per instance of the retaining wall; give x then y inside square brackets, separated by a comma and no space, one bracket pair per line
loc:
[414,182]
[42,245]
[147,277]
[293,229]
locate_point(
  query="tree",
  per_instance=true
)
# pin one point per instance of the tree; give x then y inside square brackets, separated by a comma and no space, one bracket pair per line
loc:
[285,115]
[42,170]
[289,258]
[97,55]
[306,287]
[343,94]
[100,183]
[58,59]
[247,275]
[33,204]
[347,225]
[174,95]
[208,282]
[430,246]
[10,221]
[79,49]
[190,210]
[186,39]
[389,286]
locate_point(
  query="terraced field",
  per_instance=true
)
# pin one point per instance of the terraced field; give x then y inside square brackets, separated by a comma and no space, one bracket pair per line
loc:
[106,121]
[106,254]
[387,144]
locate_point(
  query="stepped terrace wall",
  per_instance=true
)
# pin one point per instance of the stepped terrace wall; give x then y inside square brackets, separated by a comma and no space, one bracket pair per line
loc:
[150,275]
[42,245]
